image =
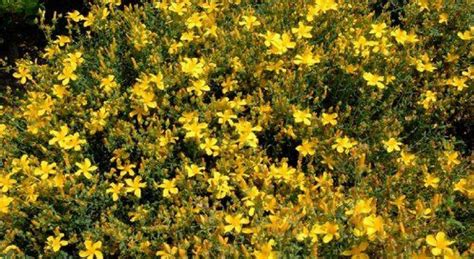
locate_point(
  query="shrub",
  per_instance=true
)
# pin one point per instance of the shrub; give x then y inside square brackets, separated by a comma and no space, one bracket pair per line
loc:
[28,7]
[242,128]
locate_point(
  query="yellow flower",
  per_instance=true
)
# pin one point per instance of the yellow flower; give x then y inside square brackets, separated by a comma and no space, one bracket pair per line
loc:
[440,244]
[302,31]
[192,66]
[135,186]
[451,158]
[374,225]
[235,222]
[226,117]
[211,31]
[194,129]
[210,146]
[92,249]
[374,80]
[391,145]
[105,13]
[59,136]
[126,168]
[443,18]
[76,16]
[329,118]
[3,130]
[55,243]
[115,190]
[157,79]
[406,158]
[195,20]
[23,73]
[343,144]
[74,59]
[45,170]
[67,75]
[424,64]
[302,117]
[89,20]
[306,148]
[249,22]
[198,87]
[148,100]
[285,43]
[467,35]
[168,187]
[458,82]
[307,58]
[178,7]
[357,252]
[431,181]
[429,98]
[403,37]
[108,84]
[62,40]
[246,133]
[363,206]
[193,170]
[188,36]
[74,142]
[278,44]
[86,168]
[282,172]
[4,203]
[378,29]
[6,182]
[168,252]
[60,91]
[326,5]
[328,229]
[465,186]
[266,251]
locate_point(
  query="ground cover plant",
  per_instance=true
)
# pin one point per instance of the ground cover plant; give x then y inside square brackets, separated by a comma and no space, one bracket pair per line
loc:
[253,129]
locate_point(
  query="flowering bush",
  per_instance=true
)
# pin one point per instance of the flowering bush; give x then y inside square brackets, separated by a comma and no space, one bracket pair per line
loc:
[242,128]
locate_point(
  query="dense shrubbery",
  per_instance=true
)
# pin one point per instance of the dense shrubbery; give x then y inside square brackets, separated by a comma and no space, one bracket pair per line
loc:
[245,128]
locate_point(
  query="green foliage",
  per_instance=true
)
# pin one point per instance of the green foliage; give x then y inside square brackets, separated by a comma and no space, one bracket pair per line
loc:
[24,7]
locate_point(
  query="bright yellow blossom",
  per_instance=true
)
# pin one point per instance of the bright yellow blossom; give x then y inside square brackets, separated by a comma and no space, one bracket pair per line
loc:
[198,87]
[374,80]
[5,203]
[302,31]
[343,144]
[431,181]
[392,144]
[193,170]
[249,22]
[235,222]
[440,244]
[45,170]
[329,118]
[23,73]
[135,186]
[116,190]
[169,187]
[55,242]
[306,148]
[329,230]
[378,29]
[302,116]
[210,146]
[192,66]
[92,250]
[86,168]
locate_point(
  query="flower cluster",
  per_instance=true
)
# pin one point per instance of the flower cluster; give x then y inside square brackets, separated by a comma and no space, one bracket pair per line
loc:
[239,128]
